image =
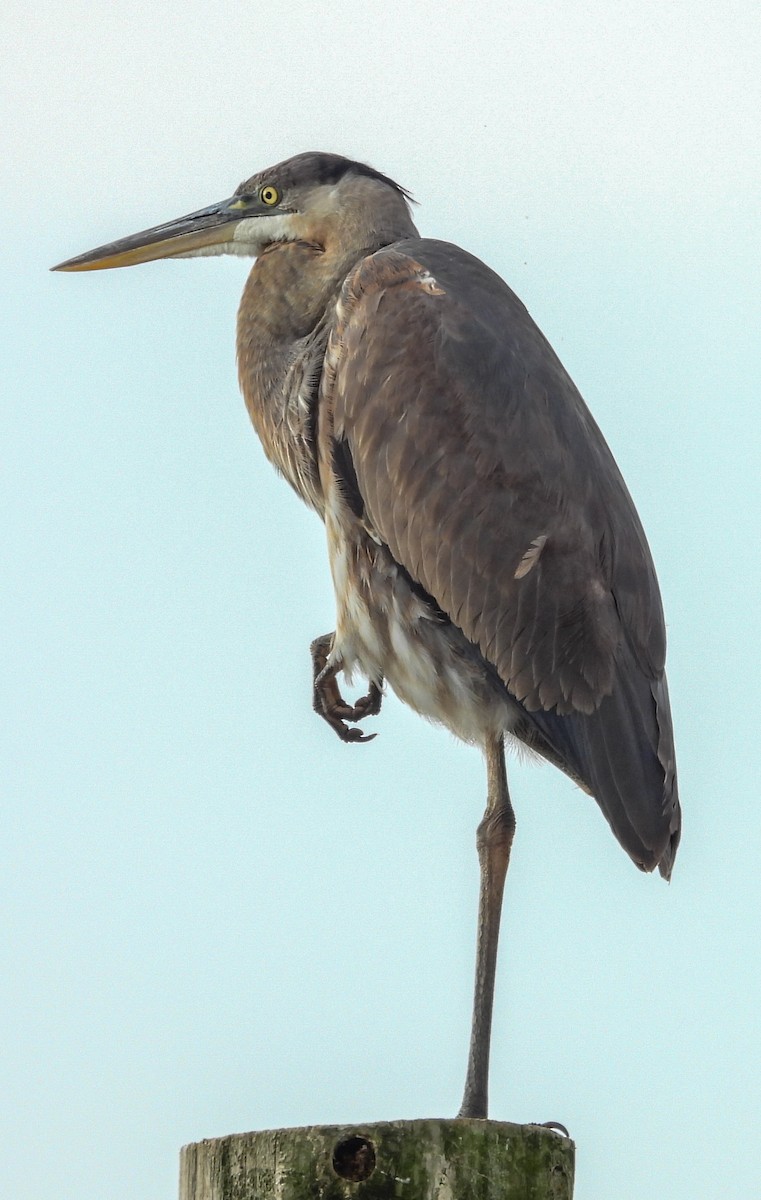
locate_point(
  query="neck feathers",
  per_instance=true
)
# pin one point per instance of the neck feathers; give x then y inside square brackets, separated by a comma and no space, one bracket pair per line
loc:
[288,309]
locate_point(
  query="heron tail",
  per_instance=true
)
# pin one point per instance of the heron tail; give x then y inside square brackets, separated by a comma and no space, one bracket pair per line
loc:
[623,753]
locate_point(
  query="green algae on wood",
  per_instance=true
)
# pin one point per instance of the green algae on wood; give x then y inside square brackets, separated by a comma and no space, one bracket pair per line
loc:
[392,1160]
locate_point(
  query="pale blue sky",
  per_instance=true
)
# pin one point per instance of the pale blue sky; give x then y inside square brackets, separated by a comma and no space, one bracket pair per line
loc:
[215,917]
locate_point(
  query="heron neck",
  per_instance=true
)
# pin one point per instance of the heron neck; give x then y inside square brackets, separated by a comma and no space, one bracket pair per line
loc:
[284,320]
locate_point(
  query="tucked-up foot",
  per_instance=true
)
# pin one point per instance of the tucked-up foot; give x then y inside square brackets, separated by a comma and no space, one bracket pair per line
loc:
[328,702]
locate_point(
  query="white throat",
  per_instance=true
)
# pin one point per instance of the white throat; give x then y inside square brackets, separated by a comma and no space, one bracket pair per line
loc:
[248,237]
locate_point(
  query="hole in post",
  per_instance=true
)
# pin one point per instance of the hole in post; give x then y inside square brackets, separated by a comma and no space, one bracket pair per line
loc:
[354,1158]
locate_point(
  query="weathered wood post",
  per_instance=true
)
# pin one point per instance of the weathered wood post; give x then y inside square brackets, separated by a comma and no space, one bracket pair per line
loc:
[393,1160]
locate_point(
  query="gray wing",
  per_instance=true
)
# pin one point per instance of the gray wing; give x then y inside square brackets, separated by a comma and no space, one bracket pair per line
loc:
[481,468]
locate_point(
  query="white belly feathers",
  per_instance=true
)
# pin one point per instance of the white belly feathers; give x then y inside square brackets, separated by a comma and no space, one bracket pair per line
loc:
[385,630]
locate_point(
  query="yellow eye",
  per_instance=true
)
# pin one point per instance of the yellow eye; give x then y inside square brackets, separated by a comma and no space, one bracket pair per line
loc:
[269,194]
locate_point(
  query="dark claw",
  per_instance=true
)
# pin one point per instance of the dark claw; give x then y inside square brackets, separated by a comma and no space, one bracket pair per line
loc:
[348,734]
[328,702]
[555,1125]
[369,705]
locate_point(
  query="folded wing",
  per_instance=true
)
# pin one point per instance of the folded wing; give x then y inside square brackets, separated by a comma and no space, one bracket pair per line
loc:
[481,468]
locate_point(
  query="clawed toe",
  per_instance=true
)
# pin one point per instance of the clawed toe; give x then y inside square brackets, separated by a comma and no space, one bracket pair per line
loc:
[328,702]
[369,705]
[555,1126]
[348,733]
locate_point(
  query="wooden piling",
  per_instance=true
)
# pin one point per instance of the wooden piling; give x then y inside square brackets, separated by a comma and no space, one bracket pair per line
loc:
[393,1160]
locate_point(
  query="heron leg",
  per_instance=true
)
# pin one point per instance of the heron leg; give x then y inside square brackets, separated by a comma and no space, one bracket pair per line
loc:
[328,702]
[493,840]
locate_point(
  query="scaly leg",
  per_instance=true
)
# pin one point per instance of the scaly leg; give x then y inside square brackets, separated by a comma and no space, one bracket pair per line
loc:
[328,702]
[493,840]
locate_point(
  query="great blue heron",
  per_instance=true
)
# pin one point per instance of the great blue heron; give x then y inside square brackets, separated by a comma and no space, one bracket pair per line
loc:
[487,559]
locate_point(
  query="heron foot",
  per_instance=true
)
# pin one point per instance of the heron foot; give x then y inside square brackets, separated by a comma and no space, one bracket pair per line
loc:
[556,1126]
[328,702]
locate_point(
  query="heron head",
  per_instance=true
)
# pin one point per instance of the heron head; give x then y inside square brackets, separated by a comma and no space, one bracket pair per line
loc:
[315,198]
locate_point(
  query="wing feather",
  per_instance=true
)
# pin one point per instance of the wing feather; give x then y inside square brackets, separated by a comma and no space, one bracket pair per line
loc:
[470,442]
[485,474]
